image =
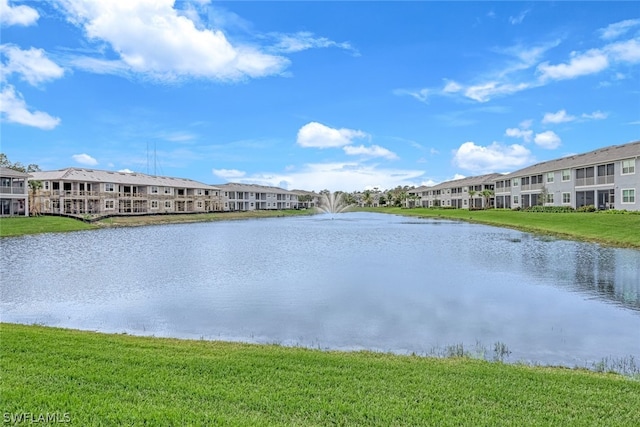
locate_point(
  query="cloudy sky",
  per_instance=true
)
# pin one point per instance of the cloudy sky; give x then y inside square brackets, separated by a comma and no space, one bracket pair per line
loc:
[315,95]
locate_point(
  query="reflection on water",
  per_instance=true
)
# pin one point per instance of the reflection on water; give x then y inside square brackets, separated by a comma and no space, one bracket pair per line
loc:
[346,281]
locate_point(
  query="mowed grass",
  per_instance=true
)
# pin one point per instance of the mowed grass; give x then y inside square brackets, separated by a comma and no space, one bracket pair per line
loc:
[18,226]
[612,229]
[100,379]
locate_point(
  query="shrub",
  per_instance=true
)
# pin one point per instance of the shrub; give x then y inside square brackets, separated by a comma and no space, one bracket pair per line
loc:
[586,208]
[550,209]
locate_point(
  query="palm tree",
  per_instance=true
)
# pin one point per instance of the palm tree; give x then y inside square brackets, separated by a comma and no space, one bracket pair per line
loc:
[487,197]
[34,187]
[471,194]
[367,199]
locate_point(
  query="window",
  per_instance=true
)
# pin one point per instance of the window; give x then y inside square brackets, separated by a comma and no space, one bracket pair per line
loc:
[109,187]
[46,185]
[154,190]
[515,200]
[566,198]
[109,204]
[167,204]
[154,204]
[629,196]
[200,204]
[167,190]
[515,182]
[549,198]
[566,175]
[549,176]
[628,166]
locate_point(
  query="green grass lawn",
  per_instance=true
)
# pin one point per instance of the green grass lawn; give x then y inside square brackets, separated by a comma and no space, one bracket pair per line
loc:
[613,229]
[99,379]
[18,226]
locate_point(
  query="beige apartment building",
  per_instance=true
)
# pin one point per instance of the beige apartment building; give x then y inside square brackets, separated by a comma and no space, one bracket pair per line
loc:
[82,192]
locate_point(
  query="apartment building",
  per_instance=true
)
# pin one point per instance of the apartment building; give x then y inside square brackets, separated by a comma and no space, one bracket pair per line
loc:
[80,192]
[465,193]
[607,178]
[14,192]
[249,197]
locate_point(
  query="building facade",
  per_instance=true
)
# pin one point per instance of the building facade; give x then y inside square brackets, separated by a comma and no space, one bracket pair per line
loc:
[81,192]
[475,192]
[607,178]
[249,197]
[14,193]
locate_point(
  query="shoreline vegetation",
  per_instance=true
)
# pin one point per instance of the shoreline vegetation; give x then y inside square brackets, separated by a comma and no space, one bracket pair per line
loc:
[90,378]
[611,229]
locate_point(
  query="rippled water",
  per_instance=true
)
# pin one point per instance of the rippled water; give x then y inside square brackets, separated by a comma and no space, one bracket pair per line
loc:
[344,281]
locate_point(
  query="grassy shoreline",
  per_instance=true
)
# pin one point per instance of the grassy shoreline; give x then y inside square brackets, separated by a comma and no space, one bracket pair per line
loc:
[618,230]
[110,379]
[20,226]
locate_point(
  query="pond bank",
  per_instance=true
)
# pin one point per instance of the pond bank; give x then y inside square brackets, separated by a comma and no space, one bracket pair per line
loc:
[612,229]
[18,226]
[97,379]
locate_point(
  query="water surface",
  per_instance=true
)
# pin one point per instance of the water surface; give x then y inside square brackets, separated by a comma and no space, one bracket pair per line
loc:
[343,281]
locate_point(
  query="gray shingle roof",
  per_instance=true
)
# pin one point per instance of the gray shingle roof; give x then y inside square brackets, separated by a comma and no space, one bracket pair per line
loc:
[131,178]
[601,155]
[254,188]
[12,173]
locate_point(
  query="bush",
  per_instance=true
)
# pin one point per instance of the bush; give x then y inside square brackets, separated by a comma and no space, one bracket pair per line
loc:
[586,208]
[550,209]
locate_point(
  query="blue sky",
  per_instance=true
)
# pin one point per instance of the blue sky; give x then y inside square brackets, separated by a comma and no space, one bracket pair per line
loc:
[314,95]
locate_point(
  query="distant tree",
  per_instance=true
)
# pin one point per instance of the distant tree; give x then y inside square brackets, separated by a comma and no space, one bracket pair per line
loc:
[17,166]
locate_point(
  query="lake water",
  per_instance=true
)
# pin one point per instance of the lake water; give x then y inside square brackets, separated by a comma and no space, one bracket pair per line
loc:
[346,281]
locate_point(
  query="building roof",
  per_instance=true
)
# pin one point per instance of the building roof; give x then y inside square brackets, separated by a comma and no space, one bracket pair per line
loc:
[471,180]
[254,188]
[601,155]
[131,178]
[12,173]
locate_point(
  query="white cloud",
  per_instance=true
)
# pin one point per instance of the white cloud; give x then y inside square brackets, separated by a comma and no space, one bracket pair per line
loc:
[548,140]
[14,110]
[228,174]
[372,151]
[596,115]
[590,62]
[32,65]
[559,117]
[515,20]
[125,171]
[525,134]
[317,135]
[17,15]
[484,92]
[452,87]
[495,157]
[617,29]
[626,51]
[303,40]
[84,159]
[153,39]
[421,95]
[347,176]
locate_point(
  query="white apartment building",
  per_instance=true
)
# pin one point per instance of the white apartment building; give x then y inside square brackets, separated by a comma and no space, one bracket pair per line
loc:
[607,178]
[249,197]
